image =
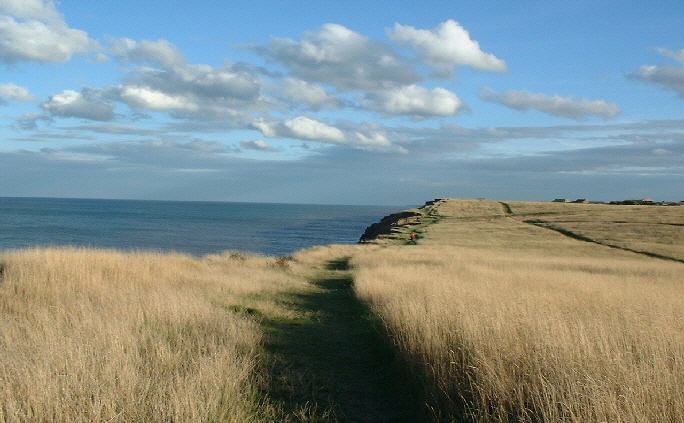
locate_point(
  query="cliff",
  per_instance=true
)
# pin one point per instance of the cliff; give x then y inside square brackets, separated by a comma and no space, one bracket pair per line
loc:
[391,225]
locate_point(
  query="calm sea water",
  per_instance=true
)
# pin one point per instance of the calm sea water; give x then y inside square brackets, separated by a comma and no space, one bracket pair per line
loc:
[193,227]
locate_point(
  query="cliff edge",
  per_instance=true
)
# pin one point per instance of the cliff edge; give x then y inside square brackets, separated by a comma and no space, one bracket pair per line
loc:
[391,226]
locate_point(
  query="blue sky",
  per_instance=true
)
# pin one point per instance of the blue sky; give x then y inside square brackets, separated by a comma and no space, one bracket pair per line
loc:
[342,102]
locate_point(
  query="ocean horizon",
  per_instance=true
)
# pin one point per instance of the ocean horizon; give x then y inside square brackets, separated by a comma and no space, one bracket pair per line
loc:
[194,227]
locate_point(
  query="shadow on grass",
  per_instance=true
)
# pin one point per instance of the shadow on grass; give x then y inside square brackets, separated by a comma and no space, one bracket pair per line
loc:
[336,365]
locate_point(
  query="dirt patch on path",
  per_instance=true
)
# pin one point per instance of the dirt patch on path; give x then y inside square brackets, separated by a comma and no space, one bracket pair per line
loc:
[336,365]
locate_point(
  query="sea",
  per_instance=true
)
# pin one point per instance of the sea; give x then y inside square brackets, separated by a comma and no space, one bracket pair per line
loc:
[197,228]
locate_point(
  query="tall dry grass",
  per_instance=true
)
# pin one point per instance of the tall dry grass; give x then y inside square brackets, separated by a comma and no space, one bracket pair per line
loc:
[497,319]
[652,229]
[500,320]
[92,335]
[520,336]
[506,335]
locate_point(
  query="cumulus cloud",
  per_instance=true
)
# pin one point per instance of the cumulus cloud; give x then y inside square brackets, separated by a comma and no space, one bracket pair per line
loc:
[312,95]
[14,92]
[156,100]
[569,107]
[305,128]
[447,46]
[667,76]
[33,30]
[413,100]
[259,145]
[208,81]
[202,91]
[341,57]
[161,51]
[366,137]
[86,104]
[375,140]
[268,129]
[27,9]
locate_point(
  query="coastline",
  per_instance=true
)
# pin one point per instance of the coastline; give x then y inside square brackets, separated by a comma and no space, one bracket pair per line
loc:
[396,226]
[197,228]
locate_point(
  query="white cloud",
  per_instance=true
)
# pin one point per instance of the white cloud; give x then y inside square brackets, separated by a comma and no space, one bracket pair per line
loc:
[339,56]
[667,76]
[86,104]
[36,9]
[34,30]
[205,92]
[198,92]
[161,51]
[312,95]
[677,55]
[268,129]
[208,81]
[413,100]
[447,46]
[569,107]
[15,92]
[305,128]
[259,145]
[375,140]
[368,136]
[151,99]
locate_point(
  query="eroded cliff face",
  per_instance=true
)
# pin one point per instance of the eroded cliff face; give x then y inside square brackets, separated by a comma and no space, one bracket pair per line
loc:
[390,226]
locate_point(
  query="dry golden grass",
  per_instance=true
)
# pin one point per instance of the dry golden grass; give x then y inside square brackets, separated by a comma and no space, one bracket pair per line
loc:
[652,229]
[497,319]
[93,335]
[505,321]
[485,225]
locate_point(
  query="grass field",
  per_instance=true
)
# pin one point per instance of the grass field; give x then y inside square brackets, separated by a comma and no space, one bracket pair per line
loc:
[501,312]
[657,230]
[501,320]
[103,336]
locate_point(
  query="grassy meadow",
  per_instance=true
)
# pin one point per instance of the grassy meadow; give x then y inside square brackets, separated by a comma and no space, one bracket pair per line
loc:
[500,312]
[656,230]
[501,320]
[91,335]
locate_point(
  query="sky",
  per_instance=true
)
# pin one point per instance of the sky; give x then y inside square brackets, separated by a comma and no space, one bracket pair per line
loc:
[342,102]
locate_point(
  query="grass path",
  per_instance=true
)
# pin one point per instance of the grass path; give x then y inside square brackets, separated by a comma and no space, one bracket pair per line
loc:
[334,365]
